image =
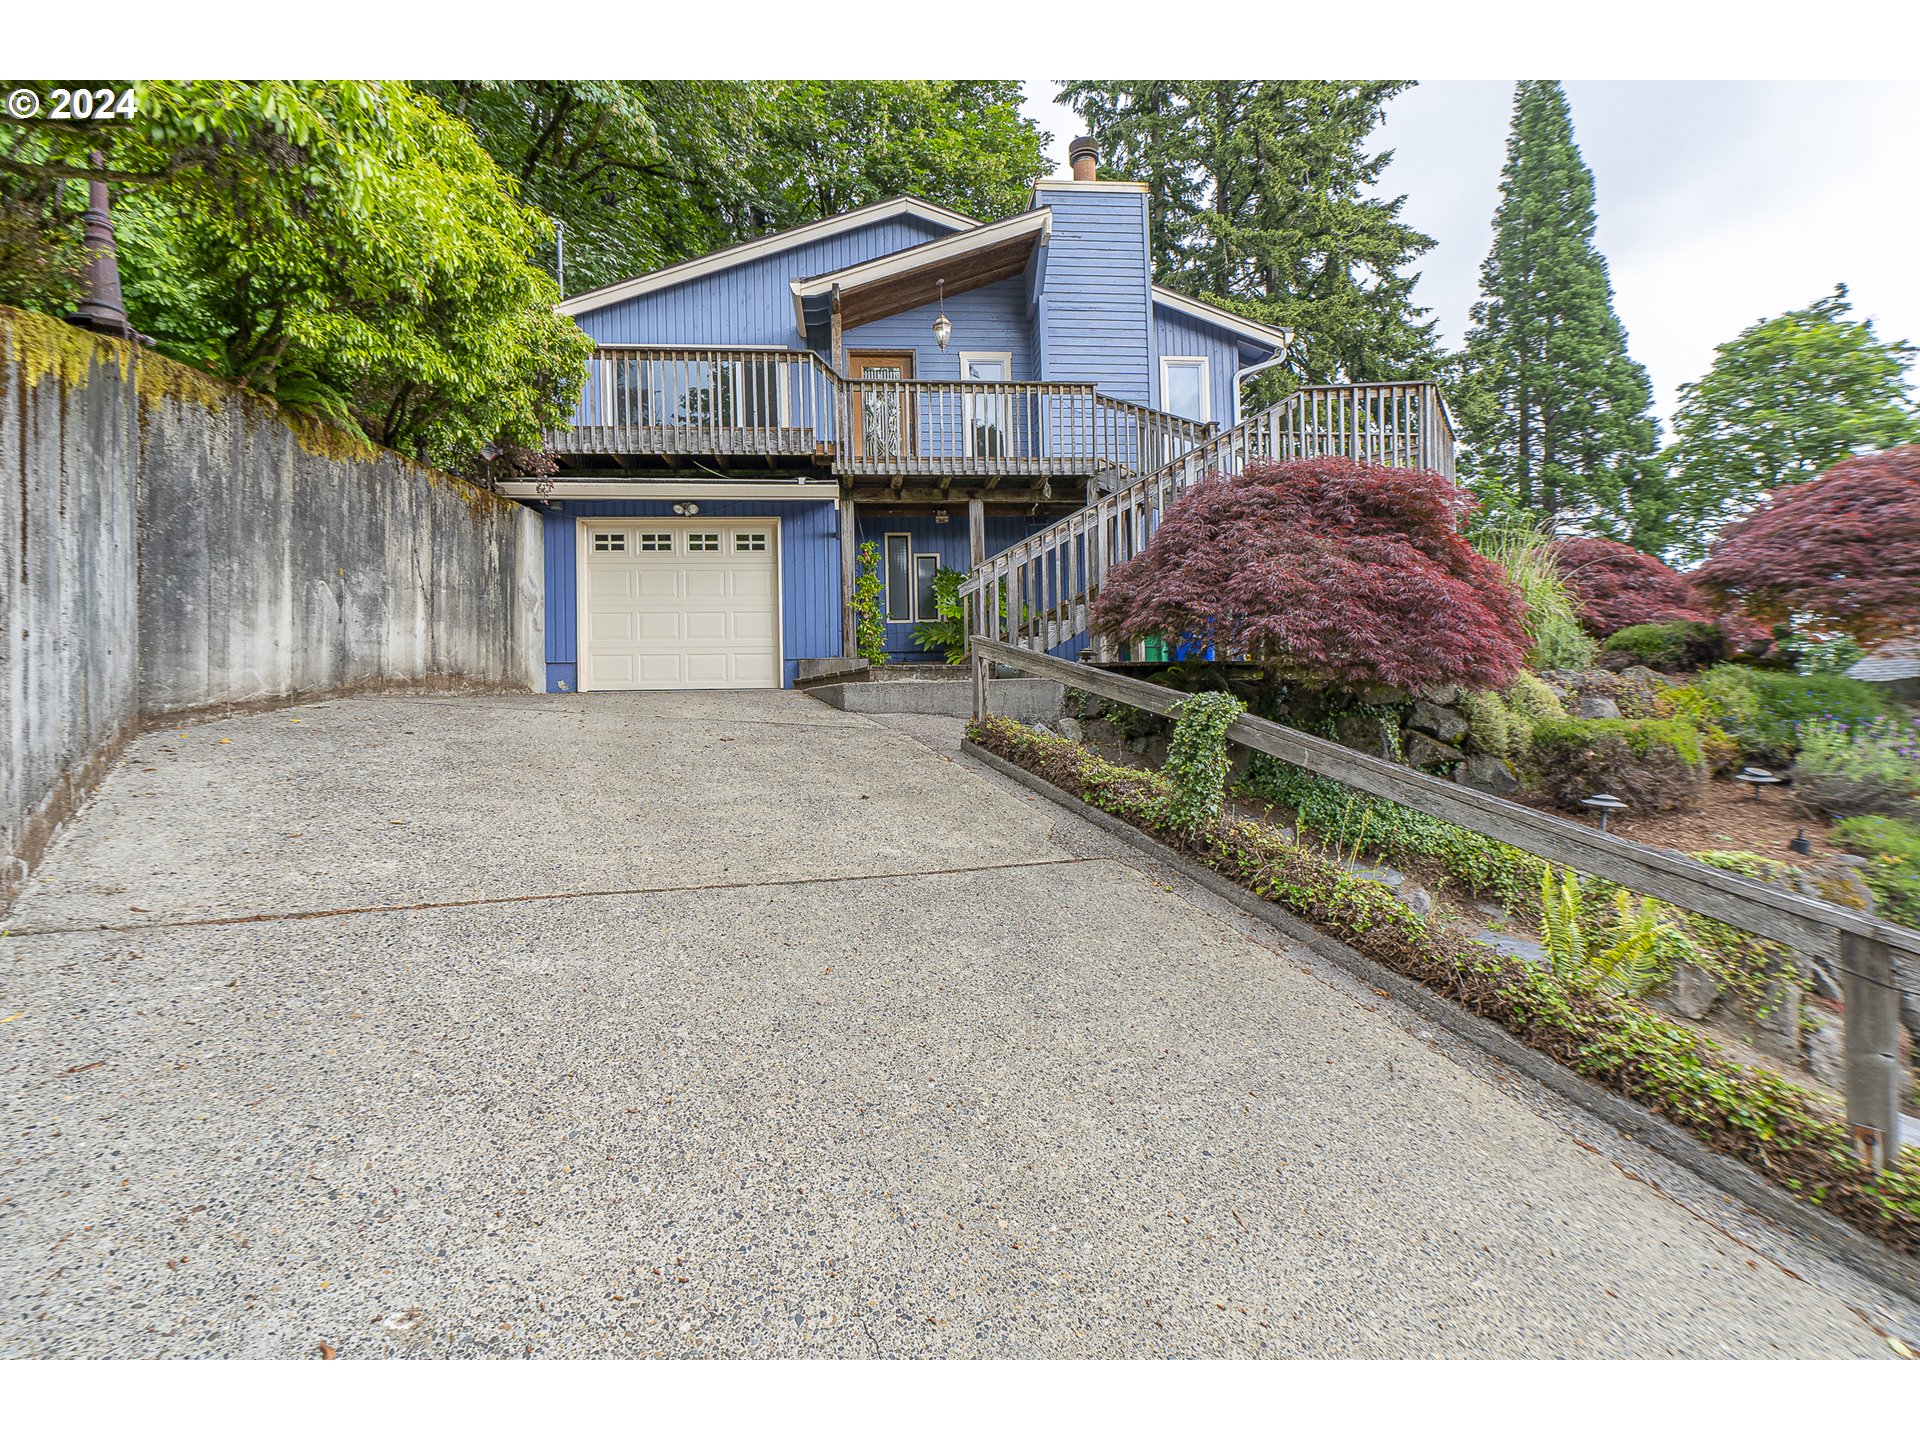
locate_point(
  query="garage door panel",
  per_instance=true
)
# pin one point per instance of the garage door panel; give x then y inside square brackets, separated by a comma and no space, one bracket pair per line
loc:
[682,608]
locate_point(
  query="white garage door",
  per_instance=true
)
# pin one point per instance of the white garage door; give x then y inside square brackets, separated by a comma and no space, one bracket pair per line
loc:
[679,605]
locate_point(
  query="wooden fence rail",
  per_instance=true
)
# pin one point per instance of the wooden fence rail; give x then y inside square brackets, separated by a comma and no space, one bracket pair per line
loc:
[1859,946]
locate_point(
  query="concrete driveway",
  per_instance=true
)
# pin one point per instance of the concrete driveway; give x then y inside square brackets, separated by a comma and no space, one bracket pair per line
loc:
[735,1025]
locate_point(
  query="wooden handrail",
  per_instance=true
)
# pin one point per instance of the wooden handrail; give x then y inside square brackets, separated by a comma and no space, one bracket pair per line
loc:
[1859,946]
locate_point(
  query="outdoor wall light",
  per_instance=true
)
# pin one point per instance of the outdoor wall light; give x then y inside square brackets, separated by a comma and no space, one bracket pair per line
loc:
[685,507]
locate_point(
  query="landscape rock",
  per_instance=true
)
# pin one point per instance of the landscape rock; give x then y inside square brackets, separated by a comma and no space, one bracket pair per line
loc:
[1415,899]
[1489,773]
[1595,707]
[1447,726]
[1694,992]
[1071,728]
[1443,694]
[1426,753]
[1368,734]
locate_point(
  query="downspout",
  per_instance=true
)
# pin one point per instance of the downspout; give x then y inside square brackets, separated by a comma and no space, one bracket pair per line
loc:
[1241,375]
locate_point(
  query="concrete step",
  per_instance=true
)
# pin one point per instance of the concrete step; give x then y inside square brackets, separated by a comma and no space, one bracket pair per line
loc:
[1018,698]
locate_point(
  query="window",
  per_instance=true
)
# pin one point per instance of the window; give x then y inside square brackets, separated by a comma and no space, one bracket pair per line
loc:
[750,540]
[925,567]
[987,415]
[613,541]
[657,540]
[703,541]
[899,577]
[1185,387]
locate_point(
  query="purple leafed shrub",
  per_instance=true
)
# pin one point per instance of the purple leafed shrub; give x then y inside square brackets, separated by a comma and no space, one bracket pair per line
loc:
[1328,571]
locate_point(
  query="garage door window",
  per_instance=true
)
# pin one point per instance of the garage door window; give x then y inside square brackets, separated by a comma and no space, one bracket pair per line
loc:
[660,541]
[703,541]
[746,540]
[610,541]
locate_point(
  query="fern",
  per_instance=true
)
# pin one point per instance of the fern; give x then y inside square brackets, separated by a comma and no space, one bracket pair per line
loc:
[1623,957]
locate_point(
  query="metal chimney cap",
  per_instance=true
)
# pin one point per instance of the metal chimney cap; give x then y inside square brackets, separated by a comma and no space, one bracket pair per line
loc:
[1083,145]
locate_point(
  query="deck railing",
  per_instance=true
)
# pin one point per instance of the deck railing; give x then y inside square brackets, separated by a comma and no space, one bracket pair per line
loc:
[703,400]
[1035,593]
[645,399]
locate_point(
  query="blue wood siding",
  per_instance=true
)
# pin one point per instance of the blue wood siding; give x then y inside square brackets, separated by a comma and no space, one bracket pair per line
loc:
[1178,334]
[748,304]
[809,573]
[1095,313]
[993,317]
[930,537]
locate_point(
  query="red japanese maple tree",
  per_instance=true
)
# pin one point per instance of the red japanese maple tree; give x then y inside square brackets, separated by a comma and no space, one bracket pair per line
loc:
[1615,585]
[1325,570]
[1843,550]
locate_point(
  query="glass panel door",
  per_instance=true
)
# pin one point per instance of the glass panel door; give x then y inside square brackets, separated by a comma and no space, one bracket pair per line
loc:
[880,419]
[986,413]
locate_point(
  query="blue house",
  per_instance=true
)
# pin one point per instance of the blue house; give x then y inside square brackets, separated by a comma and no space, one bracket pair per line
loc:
[899,375]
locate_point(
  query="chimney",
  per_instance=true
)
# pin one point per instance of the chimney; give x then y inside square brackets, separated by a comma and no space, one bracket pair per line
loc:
[1084,156]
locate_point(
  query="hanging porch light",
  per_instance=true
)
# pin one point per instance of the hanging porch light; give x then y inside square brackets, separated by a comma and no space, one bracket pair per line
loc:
[942,327]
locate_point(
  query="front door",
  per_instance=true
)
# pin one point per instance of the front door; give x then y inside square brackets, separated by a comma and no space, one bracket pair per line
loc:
[882,418]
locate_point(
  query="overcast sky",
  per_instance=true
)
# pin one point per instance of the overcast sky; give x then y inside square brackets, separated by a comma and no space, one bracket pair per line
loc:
[1720,202]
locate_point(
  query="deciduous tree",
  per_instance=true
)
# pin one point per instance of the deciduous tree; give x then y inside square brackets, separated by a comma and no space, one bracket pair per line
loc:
[1841,552]
[1326,570]
[1784,400]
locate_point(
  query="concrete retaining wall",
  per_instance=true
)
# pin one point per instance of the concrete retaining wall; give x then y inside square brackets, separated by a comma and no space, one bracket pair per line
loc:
[171,545]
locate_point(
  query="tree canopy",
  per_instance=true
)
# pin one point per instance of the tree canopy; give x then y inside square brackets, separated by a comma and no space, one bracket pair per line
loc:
[1263,200]
[1841,552]
[643,173]
[1560,419]
[1784,400]
[1325,570]
[347,247]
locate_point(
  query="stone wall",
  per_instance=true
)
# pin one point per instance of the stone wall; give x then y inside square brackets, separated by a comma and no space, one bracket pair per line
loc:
[174,545]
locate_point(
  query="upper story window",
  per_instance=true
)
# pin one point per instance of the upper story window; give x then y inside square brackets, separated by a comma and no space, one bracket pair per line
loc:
[1184,387]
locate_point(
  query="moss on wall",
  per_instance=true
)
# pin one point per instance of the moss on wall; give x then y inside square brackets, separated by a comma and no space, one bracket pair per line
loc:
[46,348]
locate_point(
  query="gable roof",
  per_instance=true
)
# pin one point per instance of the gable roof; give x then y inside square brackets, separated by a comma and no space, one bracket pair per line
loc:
[1267,335]
[900,281]
[766,245]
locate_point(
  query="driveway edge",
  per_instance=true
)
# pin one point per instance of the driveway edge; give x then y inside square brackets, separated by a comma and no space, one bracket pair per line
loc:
[1875,1262]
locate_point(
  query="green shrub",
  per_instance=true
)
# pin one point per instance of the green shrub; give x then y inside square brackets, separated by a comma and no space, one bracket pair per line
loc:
[1892,848]
[1672,645]
[1755,1116]
[1618,952]
[1490,725]
[1653,765]
[947,632]
[1552,627]
[869,614]
[1197,757]
[1762,709]
[1870,768]
[1350,820]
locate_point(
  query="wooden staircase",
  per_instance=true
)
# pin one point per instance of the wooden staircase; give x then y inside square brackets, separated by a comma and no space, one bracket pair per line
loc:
[1035,594]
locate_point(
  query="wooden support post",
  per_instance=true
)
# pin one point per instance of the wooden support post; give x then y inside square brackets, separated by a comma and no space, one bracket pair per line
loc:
[980,666]
[849,570]
[976,530]
[1872,1048]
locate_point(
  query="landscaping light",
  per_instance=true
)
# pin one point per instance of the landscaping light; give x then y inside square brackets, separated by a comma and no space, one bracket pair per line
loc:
[1605,804]
[1800,845]
[1757,778]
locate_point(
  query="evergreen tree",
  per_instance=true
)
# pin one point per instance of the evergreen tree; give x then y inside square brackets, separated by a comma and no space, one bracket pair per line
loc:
[1784,400]
[1566,432]
[1261,201]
